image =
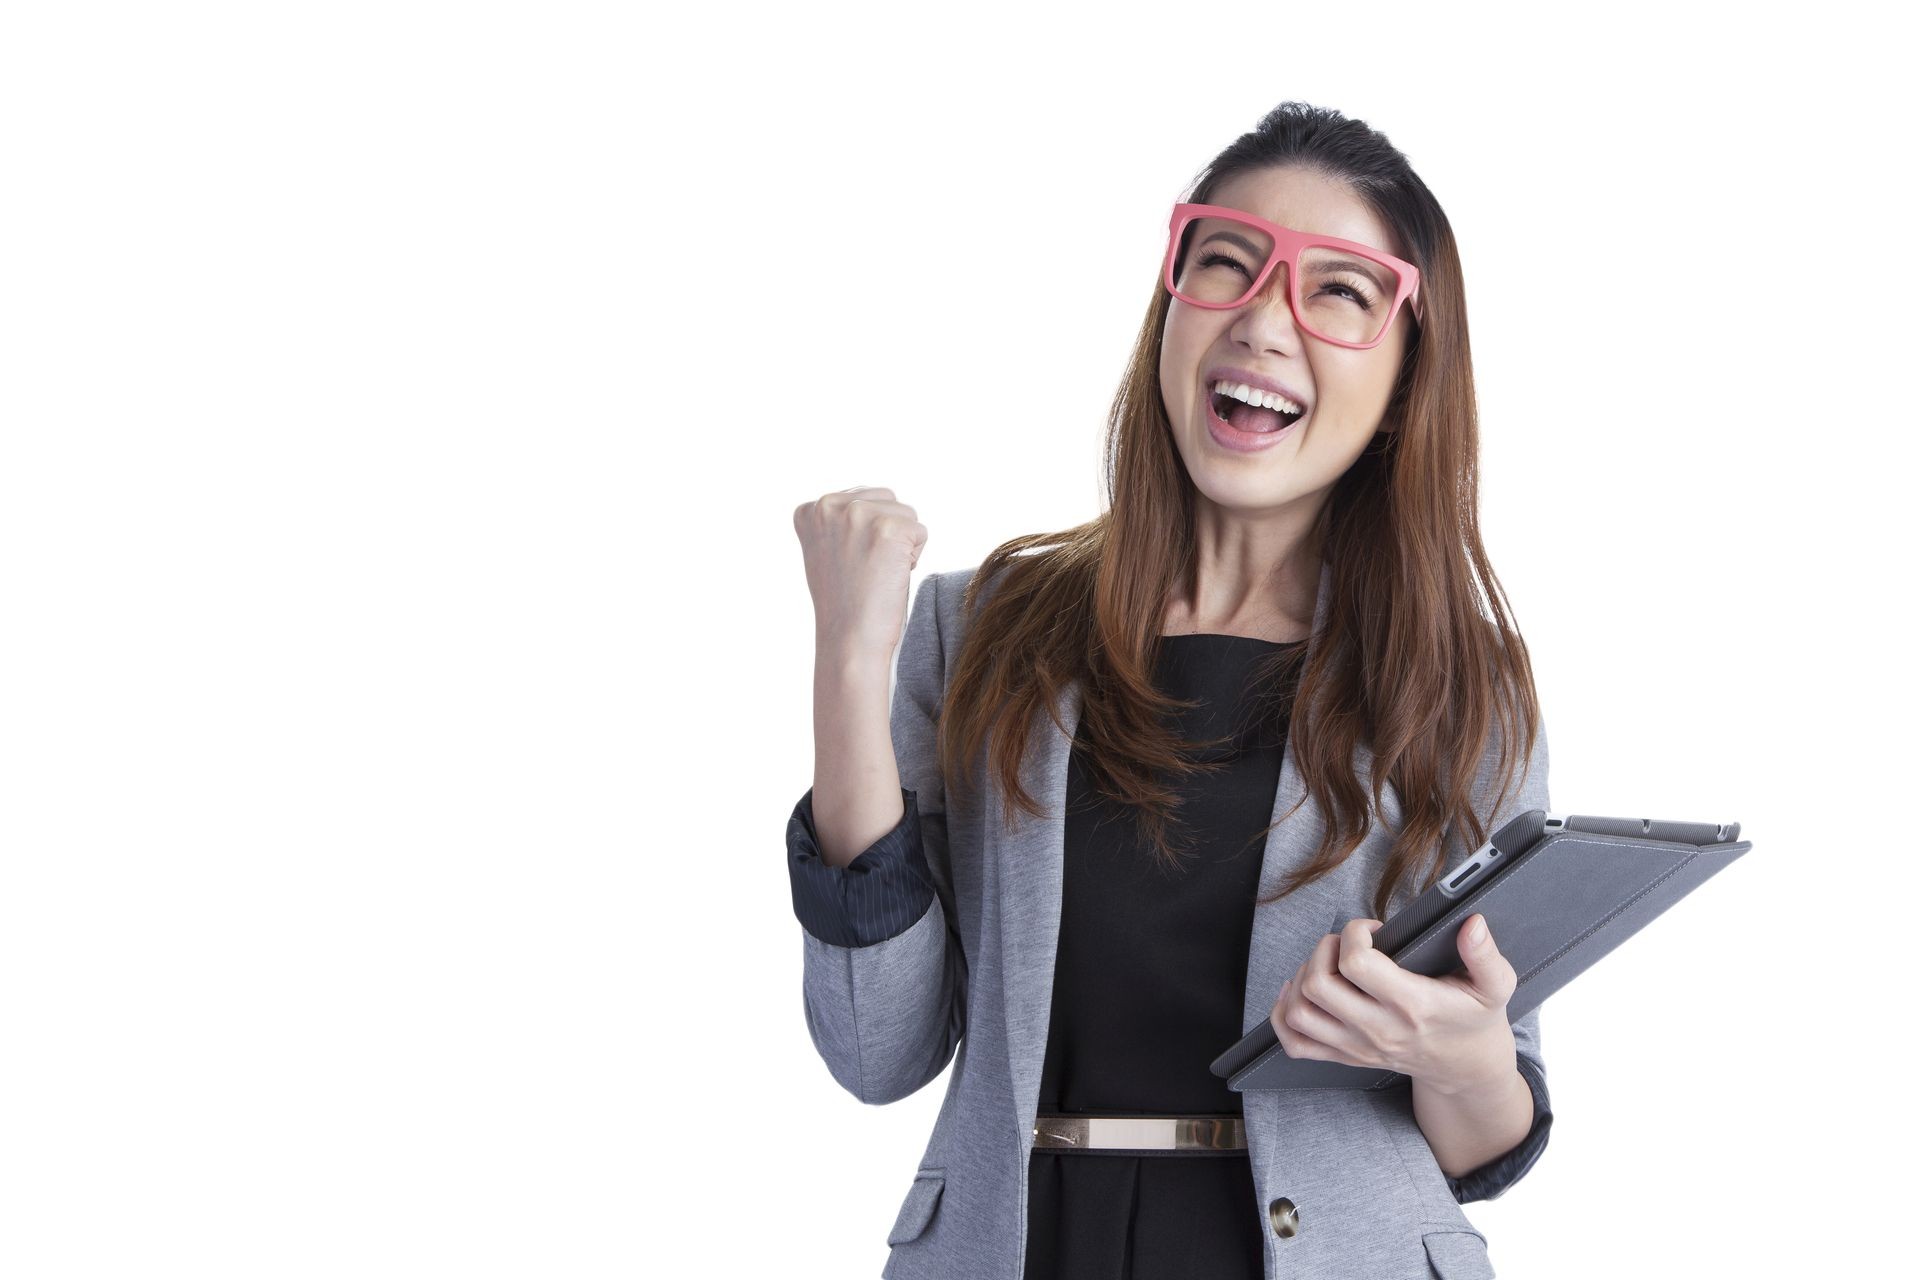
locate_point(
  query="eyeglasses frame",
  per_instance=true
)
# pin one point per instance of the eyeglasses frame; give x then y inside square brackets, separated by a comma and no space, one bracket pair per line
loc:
[1287,244]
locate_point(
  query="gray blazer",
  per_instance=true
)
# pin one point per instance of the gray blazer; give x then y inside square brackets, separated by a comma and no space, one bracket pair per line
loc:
[971,982]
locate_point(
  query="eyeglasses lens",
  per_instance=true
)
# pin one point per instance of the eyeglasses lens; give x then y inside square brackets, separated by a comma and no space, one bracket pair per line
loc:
[1344,296]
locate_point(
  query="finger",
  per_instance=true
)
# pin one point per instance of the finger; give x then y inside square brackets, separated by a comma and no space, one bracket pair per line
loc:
[1286,1019]
[1308,1031]
[1322,982]
[1376,999]
[1368,968]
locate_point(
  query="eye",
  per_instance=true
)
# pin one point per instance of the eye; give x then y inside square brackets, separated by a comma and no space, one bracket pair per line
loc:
[1221,259]
[1357,294]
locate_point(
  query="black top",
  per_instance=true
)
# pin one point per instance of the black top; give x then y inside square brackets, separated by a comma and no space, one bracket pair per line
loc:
[1147,990]
[1149,978]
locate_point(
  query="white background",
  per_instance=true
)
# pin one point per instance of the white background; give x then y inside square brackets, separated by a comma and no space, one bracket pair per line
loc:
[407,658]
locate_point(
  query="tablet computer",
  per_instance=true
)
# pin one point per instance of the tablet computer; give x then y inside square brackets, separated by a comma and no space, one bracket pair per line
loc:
[1558,891]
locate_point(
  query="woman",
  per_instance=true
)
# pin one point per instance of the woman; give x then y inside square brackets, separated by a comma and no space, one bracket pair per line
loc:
[1271,640]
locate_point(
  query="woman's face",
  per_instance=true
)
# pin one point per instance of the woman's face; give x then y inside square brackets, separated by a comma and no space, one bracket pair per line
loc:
[1344,391]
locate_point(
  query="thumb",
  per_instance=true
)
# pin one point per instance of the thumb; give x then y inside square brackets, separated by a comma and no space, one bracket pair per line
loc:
[1478,950]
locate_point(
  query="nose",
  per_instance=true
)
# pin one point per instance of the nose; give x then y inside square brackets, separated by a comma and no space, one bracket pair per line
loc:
[1269,314]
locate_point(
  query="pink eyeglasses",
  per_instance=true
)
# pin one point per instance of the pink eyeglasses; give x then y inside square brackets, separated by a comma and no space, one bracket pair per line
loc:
[1341,291]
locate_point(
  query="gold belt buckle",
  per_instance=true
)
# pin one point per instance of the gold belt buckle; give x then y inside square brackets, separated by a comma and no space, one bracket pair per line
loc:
[1141,1133]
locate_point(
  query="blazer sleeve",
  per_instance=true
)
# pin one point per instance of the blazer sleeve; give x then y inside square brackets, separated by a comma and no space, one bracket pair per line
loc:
[1492,1180]
[884,975]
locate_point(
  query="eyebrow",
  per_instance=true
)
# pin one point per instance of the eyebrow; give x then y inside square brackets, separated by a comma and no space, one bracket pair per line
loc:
[1252,249]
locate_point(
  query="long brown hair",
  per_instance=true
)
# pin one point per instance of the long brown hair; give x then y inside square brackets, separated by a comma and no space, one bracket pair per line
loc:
[1407,663]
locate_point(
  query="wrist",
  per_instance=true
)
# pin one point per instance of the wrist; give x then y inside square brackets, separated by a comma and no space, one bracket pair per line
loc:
[850,667]
[1488,1078]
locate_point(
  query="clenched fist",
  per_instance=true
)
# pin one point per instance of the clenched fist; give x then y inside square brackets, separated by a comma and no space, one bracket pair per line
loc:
[860,547]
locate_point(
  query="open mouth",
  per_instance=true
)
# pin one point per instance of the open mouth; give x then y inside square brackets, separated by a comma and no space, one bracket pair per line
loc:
[1249,418]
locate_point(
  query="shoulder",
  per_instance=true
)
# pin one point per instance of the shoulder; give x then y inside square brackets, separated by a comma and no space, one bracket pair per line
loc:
[954,581]
[949,590]
[1501,671]
[934,623]
[1526,786]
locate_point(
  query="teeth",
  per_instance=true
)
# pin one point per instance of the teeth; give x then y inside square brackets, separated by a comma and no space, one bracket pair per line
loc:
[1262,399]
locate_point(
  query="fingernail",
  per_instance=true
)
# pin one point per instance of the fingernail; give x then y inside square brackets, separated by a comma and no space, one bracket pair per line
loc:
[1479,931]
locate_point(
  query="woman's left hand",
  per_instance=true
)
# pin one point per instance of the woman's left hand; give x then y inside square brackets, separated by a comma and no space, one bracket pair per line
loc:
[1350,1003]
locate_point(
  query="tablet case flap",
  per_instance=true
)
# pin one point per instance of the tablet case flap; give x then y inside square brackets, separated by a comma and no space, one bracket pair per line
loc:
[1574,896]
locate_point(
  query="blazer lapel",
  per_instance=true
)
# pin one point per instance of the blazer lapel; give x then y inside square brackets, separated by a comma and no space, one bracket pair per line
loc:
[1030,867]
[1285,932]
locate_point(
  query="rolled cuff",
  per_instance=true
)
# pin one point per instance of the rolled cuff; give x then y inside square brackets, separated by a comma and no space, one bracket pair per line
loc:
[877,896]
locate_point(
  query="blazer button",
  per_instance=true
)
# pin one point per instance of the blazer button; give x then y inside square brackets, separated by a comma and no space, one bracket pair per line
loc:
[1286,1218]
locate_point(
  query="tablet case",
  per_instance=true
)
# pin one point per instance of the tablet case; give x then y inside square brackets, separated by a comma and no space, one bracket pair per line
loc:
[1577,887]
